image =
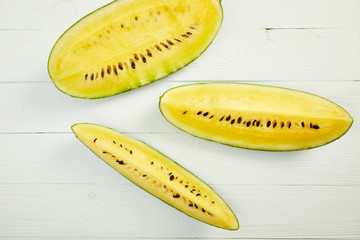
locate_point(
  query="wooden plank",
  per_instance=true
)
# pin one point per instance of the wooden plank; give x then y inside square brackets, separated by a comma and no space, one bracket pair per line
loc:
[40,107]
[62,159]
[39,14]
[53,187]
[136,238]
[292,13]
[236,54]
[54,14]
[121,210]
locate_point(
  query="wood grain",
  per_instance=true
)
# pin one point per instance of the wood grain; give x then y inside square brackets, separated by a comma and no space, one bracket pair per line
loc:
[62,159]
[118,210]
[60,14]
[255,54]
[53,187]
[40,107]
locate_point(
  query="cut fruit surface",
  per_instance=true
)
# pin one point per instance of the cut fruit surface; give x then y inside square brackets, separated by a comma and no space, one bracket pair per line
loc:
[255,116]
[129,43]
[157,174]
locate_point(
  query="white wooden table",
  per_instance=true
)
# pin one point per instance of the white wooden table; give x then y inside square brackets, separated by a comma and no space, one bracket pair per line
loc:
[52,187]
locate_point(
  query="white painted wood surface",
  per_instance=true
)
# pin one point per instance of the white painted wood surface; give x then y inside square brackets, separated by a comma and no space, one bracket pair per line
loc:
[52,187]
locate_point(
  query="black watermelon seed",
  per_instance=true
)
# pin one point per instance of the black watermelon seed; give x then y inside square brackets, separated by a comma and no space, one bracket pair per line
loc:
[120,66]
[158,47]
[131,152]
[120,162]
[248,123]
[193,190]
[268,123]
[136,18]
[144,175]
[148,52]
[239,120]
[199,113]
[274,124]
[289,124]
[170,42]
[203,210]
[185,36]
[302,124]
[133,65]
[191,205]
[189,33]
[109,69]
[316,127]
[95,140]
[164,45]
[185,112]
[136,57]
[222,118]
[282,124]
[186,186]
[198,194]
[233,121]
[212,116]
[311,125]
[258,123]
[143,58]
[172,177]
[177,40]
[115,70]
[86,76]
[228,118]
[196,206]
[104,152]
[152,163]
[205,114]
[170,174]
[114,142]
[102,73]
[176,196]
[254,123]
[92,77]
